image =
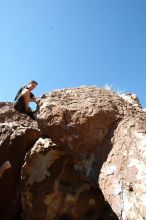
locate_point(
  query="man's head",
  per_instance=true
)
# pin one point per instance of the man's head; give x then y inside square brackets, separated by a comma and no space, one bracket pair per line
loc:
[32,84]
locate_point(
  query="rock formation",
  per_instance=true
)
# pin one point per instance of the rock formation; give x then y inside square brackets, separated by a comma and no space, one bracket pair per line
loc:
[52,189]
[131,98]
[84,158]
[17,135]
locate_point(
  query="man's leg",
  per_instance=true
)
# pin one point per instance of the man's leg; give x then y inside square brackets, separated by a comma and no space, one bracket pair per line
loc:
[31,114]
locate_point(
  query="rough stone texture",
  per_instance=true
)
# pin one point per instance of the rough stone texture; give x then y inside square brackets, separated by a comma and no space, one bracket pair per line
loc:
[85,121]
[17,134]
[123,175]
[53,189]
[81,119]
[131,98]
[74,117]
[8,114]
[99,140]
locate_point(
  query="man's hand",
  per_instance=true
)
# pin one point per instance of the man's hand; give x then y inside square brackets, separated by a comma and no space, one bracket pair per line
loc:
[28,109]
[37,100]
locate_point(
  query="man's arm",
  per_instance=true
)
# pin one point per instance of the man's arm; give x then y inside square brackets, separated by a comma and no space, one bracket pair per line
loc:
[33,98]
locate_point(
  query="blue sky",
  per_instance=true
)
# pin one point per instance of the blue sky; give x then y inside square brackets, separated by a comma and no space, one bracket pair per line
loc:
[69,43]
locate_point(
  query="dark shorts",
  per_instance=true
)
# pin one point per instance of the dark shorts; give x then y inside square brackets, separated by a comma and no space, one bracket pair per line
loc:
[19,105]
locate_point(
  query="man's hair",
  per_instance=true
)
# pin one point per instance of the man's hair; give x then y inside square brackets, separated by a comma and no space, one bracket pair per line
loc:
[33,81]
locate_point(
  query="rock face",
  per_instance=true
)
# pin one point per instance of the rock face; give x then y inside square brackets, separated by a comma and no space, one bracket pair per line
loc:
[74,117]
[122,178]
[131,98]
[91,140]
[17,135]
[91,123]
[52,189]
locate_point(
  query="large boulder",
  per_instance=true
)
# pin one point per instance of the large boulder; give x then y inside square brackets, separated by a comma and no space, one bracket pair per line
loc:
[86,121]
[18,133]
[52,189]
[90,138]
[79,118]
[122,178]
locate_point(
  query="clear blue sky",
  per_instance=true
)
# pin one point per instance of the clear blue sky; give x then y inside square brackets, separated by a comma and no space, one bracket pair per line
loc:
[69,43]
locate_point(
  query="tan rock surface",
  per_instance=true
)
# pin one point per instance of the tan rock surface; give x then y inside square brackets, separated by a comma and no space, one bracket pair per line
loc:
[79,118]
[122,178]
[99,140]
[131,98]
[86,120]
[53,189]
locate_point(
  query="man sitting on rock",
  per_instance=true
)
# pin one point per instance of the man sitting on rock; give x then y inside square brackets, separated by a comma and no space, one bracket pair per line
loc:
[23,97]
